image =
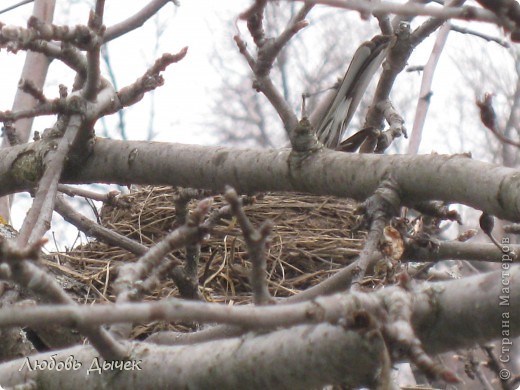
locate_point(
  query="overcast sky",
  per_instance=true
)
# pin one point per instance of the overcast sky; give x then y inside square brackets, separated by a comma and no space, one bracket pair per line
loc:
[180,108]
[180,105]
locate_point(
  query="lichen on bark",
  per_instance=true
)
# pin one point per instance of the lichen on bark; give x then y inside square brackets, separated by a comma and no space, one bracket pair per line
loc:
[27,168]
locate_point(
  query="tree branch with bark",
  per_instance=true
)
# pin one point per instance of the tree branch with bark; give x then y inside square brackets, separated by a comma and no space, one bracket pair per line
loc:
[342,330]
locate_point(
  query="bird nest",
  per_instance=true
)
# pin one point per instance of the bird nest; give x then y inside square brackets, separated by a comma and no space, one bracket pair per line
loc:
[312,238]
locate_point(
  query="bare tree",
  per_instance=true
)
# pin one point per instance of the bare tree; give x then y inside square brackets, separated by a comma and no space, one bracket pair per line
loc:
[338,332]
[240,115]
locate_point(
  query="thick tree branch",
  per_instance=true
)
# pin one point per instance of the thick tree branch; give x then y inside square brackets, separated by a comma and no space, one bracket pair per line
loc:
[436,317]
[330,354]
[454,250]
[450,178]
[35,69]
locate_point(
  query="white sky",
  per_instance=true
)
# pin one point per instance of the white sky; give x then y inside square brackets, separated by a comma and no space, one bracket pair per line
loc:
[180,105]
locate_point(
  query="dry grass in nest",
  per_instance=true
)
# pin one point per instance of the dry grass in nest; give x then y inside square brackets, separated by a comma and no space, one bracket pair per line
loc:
[312,238]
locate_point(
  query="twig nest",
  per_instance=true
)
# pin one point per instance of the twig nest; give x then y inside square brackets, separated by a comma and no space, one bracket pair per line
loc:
[312,237]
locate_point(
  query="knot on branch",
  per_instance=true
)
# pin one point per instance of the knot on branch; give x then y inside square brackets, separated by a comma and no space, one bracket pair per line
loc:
[400,48]
[9,130]
[303,137]
[83,37]
[9,252]
[385,202]
[264,62]
[401,339]
[150,80]
[254,17]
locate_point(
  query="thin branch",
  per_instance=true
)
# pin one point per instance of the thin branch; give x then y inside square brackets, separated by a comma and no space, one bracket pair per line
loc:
[497,366]
[28,86]
[135,21]
[90,228]
[79,36]
[256,247]
[187,280]
[95,23]
[68,54]
[399,52]
[14,6]
[394,324]
[129,283]
[272,49]
[340,281]
[110,237]
[173,309]
[378,209]
[50,107]
[441,250]
[37,221]
[268,50]
[486,37]
[425,91]
[489,119]
[384,24]
[242,48]
[398,332]
[411,9]
[508,14]
[113,79]
[442,338]
[254,16]
[396,123]
[111,198]
[438,210]
[193,231]
[284,110]
[34,278]
[149,81]
[330,308]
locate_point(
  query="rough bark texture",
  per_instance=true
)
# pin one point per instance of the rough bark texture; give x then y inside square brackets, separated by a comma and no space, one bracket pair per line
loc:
[304,356]
[451,178]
